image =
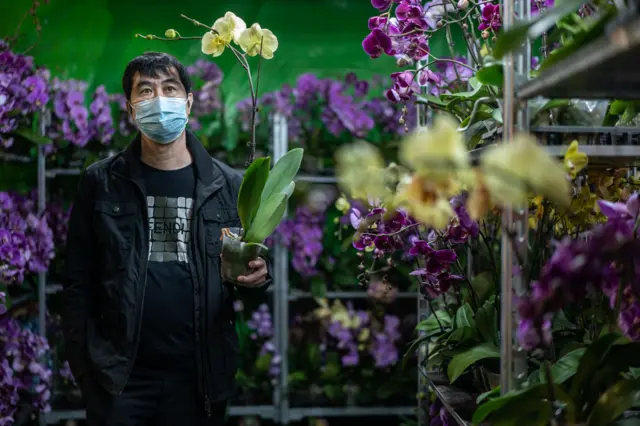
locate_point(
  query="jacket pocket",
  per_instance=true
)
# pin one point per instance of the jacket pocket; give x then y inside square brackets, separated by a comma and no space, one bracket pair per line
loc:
[115,223]
[215,220]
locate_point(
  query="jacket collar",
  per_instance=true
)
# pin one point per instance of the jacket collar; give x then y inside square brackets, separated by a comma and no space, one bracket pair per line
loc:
[128,162]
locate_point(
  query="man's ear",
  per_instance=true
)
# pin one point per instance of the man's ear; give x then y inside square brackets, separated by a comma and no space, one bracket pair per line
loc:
[189,103]
[131,111]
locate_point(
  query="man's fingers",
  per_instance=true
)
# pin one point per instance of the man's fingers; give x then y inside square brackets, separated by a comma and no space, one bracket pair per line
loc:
[254,277]
[256,264]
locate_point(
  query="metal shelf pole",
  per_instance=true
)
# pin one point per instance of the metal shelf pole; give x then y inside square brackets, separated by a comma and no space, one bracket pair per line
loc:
[514,223]
[42,205]
[281,289]
[422,307]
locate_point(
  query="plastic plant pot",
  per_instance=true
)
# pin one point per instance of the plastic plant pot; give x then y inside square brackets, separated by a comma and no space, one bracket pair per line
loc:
[236,254]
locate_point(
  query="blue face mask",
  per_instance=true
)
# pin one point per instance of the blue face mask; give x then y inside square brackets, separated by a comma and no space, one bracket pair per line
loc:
[162,119]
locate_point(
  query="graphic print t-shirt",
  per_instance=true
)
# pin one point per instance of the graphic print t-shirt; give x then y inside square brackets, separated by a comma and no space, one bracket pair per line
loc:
[167,334]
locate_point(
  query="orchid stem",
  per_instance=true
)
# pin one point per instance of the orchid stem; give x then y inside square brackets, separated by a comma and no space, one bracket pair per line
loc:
[254,105]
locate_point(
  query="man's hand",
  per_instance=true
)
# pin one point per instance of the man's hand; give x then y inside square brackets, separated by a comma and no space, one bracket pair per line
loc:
[257,277]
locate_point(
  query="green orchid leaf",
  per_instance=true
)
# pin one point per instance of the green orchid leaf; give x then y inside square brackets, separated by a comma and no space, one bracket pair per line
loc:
[430,99]
[612,403]
[462,335]
[484,286]
[487,322]
[464,317]
[497,115]
[564,369]
[464,360]
[434,320]
[283,174]
[589,363]
[488,394]
[289,189]
[495,405]
[250,193]
[618,361]
[491,74]
[513,38]
[528,406]
[32,136]
[595,31]
[415,345]
[476,86]
[267,218]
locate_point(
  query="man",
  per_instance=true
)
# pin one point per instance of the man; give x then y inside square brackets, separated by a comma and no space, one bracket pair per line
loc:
[149,325]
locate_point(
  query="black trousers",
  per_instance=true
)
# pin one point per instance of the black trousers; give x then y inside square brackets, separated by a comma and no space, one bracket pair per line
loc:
[151,399]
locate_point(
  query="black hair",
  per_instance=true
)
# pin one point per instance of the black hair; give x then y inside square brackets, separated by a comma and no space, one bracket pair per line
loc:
[149,64]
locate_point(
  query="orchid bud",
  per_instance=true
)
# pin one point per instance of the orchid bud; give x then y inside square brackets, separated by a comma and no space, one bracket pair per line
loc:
[463,4]
[171,33]
[485,34]
[403,61]
[440,24]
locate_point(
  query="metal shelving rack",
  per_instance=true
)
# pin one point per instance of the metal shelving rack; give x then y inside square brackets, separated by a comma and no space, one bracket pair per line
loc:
[279,411]
[602,69]
[284,294]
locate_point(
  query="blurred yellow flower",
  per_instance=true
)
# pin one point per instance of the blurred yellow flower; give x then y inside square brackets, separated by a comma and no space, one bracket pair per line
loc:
[364,335]
[212,44]
[574,160]
[424,202]
[342,204]
[437,153]
[514,169]
[538,211]
[341,314]
[360,169]
[323,310]
[254,39]
[479,202]
[229,27]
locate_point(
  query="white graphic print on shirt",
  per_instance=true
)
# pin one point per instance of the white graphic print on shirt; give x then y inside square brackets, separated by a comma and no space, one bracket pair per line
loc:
[169,228]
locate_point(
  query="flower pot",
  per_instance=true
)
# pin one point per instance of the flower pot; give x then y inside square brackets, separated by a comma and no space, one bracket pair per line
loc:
[236,254]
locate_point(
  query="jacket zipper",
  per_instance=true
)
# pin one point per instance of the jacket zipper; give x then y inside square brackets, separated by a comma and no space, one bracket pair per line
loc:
[144,285]
[204,350]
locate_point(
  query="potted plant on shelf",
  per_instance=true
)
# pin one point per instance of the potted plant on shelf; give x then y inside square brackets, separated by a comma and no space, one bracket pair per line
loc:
[263,194]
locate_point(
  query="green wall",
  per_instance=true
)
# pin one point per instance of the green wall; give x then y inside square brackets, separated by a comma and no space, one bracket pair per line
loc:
[94,39]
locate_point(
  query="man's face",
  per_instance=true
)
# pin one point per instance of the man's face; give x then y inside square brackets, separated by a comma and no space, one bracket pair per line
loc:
[167,85]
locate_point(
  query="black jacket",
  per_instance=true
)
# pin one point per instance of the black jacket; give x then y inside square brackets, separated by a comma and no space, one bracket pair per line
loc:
[106,267]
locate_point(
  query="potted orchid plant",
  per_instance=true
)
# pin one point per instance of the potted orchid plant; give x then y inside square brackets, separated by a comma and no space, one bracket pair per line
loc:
[264,192]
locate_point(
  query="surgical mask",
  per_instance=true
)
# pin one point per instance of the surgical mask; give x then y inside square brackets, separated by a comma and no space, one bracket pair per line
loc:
[162,119]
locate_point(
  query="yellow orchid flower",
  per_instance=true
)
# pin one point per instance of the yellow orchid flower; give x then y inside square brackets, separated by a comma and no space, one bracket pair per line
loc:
[229,27]
[479,202]
[342,204]
[574,160]
[323,310]
[255,38]
[225,29]
[437,153]
[425,203]
[514,168]
[360,170]
[213,44]
[364,335]
[341,314]
[538,211]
